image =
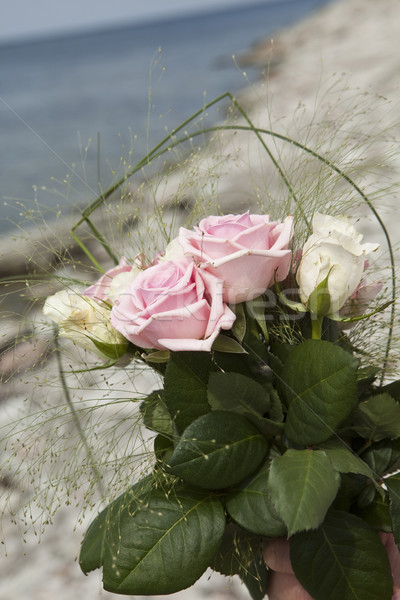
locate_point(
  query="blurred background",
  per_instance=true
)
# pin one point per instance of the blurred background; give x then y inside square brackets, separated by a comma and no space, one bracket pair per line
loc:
[87,87]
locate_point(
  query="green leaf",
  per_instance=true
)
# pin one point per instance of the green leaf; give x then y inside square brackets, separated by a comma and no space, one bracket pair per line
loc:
[160,356]
[112,351]
[319,383]
[345,461]
[253,343]
[162,545]
[378,418]
[377,514]
[254,364]
[241,394]
[239,326]
[367,495]
[302,485]
[343,559]
[256,310]
[185,386]
[163,447]
[319,301]
[269,428]
[280,352]
[272,425]
[224,343]
[155,413]
[249,505]
[393,486]
[292,304]
[275,412]
[366,377]
[240,553]
[351,488]
[393,389]
[232,362]
[95,540]
[383,457]
[218,450]
[235,552]
[256,577]
[237,393]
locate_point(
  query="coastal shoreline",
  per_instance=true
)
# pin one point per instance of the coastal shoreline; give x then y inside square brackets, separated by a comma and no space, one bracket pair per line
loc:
[314,61]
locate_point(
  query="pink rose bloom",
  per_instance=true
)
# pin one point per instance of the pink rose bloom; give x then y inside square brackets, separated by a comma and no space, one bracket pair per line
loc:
[243,250]
[103,289]
[358,303]
[172,306]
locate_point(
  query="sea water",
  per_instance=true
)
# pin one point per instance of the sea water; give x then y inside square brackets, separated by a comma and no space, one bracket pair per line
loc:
[72,107]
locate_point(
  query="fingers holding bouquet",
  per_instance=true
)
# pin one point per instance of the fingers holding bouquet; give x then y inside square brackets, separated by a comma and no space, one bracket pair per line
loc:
[283,584]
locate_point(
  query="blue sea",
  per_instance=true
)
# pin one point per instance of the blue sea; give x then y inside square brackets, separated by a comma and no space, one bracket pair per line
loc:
[72,106]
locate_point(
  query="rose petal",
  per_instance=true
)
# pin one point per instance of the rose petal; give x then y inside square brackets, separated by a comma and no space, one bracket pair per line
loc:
[190,344]
[246,279]
[100,289]
[244,257]
[188,309]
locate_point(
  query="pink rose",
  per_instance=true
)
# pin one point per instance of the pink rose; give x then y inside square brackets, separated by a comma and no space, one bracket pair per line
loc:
[113,282]
[243,250]
[173,306]
[358,303]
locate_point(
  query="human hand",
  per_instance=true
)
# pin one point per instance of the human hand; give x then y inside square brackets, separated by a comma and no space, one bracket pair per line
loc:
[283,584]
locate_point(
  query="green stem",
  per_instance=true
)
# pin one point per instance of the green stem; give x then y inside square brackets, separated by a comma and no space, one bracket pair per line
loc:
[316,327]
[158,150]
[86,251]
[286,181]
[75,418]
[102,241]
[149,157]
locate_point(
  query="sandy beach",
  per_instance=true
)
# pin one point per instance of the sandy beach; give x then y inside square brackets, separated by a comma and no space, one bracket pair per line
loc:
[337,71]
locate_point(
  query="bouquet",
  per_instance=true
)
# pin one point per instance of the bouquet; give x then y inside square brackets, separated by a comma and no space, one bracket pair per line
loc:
[267,422]
[272,415]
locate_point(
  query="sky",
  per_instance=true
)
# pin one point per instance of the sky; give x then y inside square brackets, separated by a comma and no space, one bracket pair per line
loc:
[38,18]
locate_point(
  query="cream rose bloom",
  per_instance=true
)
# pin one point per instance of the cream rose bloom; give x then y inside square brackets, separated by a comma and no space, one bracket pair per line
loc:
[173,251]
[82,320]
[114,282]
[333,249]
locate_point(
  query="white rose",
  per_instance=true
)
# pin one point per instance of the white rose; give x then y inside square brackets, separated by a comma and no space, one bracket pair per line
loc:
[82,319]
[121,284]
[173,251]
[333,249]
[114,282]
